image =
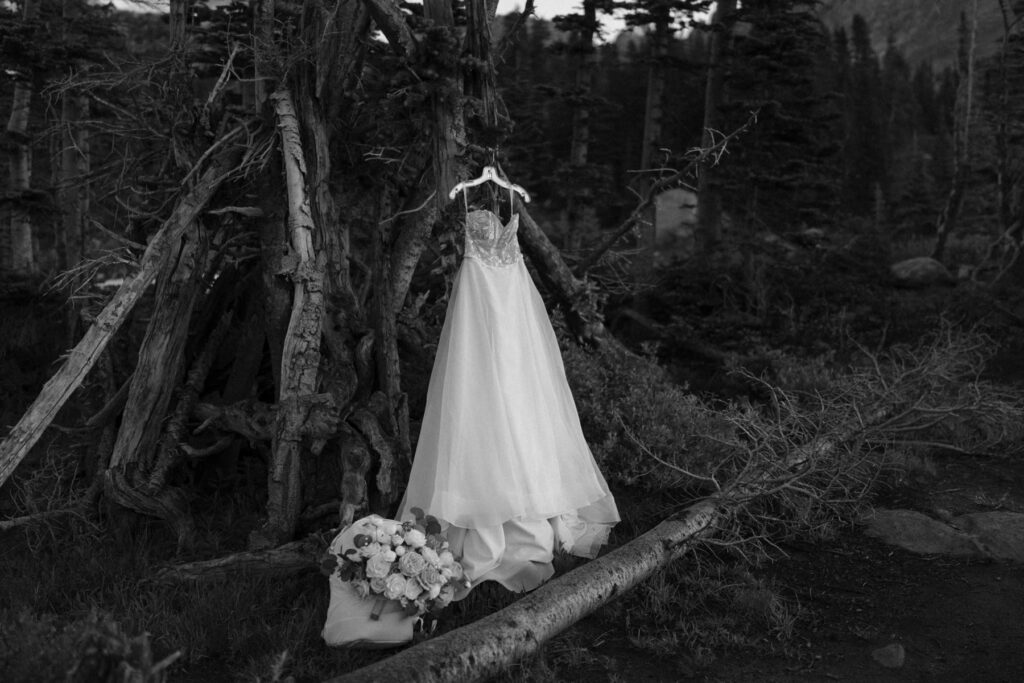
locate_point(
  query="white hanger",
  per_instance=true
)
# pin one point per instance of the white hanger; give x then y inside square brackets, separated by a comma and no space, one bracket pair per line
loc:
[489,173]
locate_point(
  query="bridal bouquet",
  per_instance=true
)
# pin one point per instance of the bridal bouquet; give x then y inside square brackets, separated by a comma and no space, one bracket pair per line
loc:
[408,562]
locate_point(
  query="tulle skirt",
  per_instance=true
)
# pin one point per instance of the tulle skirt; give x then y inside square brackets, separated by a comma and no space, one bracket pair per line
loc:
[501,455]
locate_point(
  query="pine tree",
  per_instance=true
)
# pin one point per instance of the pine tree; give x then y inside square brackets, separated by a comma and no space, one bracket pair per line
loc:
[864,139]
[783,173]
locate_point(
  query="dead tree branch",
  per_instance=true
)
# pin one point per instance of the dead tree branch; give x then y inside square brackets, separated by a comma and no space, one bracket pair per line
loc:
[81,359]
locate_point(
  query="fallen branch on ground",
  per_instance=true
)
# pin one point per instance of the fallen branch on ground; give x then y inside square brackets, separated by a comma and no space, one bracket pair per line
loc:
[290,558]
[828,462]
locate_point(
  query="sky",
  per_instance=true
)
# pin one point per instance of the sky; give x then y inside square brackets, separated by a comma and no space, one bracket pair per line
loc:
[543,8]
[546,9]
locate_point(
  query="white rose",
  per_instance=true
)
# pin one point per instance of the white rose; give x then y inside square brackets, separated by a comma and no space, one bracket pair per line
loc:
[413,589]
[446,558]
[378,566]
[415,538]
[390,555]
[394,586]
[431,557]
[397,539]
[400,550]
[434,591]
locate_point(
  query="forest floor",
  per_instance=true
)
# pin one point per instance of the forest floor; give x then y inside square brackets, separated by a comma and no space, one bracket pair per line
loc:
[956,619]
[818,612]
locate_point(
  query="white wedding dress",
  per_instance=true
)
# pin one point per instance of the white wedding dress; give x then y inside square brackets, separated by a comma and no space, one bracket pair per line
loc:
[501,459]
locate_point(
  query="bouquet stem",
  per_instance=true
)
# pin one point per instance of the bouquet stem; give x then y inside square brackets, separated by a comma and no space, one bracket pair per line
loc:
[378,607]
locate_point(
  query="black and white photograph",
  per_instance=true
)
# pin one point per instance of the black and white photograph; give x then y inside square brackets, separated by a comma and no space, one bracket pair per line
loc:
[512,341]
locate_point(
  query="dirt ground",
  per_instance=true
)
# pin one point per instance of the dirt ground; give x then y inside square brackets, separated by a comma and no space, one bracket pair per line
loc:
[957,620]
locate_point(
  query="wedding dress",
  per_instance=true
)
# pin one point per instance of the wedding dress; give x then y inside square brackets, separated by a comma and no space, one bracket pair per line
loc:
[501,459]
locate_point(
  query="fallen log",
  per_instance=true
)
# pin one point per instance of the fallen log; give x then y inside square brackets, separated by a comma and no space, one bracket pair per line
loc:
[490,645]
[83,357]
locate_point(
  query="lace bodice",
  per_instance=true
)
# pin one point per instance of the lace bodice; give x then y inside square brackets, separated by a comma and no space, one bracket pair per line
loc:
[491,242]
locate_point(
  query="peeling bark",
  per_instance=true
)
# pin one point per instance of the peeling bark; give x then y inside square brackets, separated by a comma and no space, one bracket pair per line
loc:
[133,478]
[300,359]
[162,354]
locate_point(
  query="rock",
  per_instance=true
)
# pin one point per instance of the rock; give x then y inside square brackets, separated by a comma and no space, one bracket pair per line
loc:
[999,535]
[918,533]
[922,271]
[891,656]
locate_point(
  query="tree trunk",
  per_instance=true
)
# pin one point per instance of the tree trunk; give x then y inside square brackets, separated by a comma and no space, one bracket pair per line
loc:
[160,369]
[81,359]
[18,248]
[72,181]
[946,223]
[392,461]
[653,115]
[300,360]
[73,193]
[178,21]
[578,191]
[709,208]
[449,132]
[574,295]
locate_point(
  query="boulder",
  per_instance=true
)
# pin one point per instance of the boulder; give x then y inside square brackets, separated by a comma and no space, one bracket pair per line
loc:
[996,535]
[918,533]
[892,656]
[999,534]
[919,272]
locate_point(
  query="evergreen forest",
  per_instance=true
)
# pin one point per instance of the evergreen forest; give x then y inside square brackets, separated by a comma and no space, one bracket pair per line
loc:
[779,245]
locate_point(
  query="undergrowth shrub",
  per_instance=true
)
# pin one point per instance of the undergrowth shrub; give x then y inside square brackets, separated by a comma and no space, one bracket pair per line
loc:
[89,649]
[777,295]
[633,414]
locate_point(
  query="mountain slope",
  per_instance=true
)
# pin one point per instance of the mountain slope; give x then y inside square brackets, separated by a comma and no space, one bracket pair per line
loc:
[924,30]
